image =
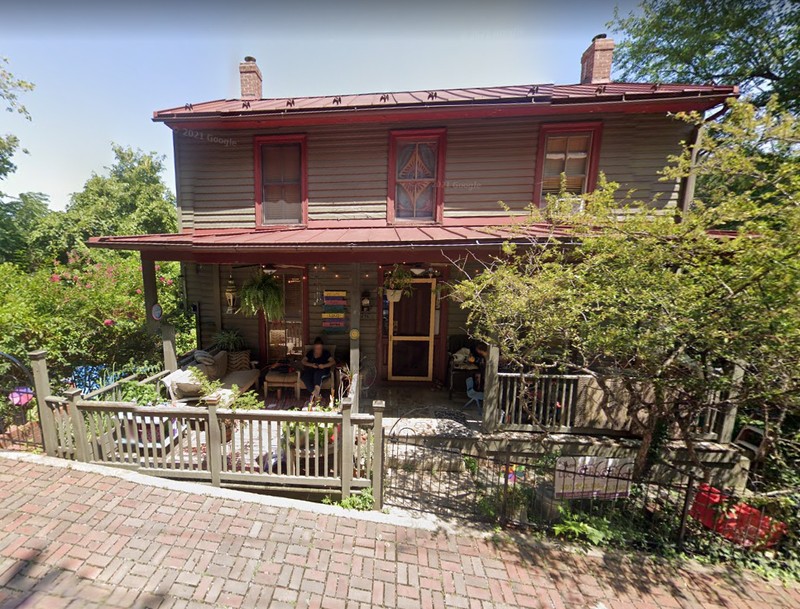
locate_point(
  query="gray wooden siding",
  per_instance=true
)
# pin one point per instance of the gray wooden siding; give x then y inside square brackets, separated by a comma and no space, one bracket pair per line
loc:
[486,162]
[200,290]
[634,150]
[347,174]
[215,179]
[354,279]
[456,316]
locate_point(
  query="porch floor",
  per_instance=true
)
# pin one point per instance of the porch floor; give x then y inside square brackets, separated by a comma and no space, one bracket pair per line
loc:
[411,409]
[421,408]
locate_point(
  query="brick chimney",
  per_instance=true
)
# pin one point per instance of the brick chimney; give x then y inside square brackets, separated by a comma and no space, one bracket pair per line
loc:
[596,61]
[250,77]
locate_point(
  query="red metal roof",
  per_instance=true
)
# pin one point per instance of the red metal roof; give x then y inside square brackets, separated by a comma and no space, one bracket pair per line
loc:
[538,94]
[329,238]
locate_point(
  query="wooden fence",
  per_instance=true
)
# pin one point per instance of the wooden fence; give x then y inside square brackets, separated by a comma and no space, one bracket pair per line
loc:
[334,452]
[548,401]
[573,404]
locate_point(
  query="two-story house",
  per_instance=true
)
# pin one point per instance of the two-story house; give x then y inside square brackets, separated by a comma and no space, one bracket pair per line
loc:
[329,192]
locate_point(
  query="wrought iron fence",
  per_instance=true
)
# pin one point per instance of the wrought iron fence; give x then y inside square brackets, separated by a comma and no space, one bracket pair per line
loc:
[588,499]
[19,422]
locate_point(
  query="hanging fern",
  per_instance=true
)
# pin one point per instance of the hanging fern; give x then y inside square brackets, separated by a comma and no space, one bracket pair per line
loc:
[262,293]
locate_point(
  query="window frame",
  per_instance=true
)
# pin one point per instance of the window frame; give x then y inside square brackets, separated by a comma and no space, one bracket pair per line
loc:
[262,140]
[592,128]
[398,136]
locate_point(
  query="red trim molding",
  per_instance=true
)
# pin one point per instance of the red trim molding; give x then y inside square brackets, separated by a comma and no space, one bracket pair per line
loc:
[593,128]
[417,135]
[258,142]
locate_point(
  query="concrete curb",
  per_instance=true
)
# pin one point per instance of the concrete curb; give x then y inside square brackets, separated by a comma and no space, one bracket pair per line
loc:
[194,488]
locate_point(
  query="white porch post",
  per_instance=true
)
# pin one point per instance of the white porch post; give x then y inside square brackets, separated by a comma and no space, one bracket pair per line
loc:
[168,346]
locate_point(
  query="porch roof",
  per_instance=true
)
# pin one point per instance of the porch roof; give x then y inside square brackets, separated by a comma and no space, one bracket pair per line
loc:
[335,236]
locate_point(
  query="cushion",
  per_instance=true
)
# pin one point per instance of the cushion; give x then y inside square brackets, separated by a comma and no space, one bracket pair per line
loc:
[203,357]
[210,371]
[243,379]
[187,389]
[238,360]
[221,363]
[184,385]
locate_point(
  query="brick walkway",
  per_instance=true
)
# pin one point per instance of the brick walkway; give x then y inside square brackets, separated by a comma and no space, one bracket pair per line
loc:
[83,539]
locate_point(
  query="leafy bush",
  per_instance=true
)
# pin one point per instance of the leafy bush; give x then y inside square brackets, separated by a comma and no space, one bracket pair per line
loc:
[133,391]
[361,501]
[574,527]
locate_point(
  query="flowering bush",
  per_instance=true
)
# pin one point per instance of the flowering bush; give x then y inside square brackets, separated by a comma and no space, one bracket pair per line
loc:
[87,312]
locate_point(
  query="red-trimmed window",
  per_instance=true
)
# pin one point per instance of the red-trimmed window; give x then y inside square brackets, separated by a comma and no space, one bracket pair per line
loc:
[416,169]
[571,150]
[281,180]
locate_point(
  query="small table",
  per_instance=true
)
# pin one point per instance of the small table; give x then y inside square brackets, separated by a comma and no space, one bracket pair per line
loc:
[281,380]
[454,368]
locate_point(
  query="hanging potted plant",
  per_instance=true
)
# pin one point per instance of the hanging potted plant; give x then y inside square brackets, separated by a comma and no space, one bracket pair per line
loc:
[262,293]
[398,283]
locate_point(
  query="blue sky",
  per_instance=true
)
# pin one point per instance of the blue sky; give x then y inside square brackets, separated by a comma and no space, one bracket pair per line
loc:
[101,69]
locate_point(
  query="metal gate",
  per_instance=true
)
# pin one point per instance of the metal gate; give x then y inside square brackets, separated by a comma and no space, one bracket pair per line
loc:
[458,478]
[19,416]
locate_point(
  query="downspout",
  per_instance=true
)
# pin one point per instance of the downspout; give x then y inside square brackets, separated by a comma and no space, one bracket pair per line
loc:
[689,182]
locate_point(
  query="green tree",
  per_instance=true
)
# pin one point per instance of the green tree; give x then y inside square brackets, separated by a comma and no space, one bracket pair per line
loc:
[19,217]
[754,43]
[661,313]
[85,306]
[10,89]
[131,199]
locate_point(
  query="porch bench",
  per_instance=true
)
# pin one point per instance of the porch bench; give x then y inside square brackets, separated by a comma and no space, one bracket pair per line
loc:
[182,385]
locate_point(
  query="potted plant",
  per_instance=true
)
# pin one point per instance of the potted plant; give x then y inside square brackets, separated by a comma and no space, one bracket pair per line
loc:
[262,293]
[229,340]
[398,283]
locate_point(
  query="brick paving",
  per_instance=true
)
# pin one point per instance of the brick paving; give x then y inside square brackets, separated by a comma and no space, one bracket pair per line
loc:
[81,538]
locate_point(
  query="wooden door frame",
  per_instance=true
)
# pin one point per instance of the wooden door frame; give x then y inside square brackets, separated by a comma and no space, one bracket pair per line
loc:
[431,338]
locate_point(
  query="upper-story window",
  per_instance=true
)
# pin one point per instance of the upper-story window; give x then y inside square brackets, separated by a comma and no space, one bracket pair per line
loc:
[281,180]
[570,150]
[416,166]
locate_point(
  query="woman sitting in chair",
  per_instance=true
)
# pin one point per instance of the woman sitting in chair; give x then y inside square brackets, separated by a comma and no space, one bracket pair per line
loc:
[317,366]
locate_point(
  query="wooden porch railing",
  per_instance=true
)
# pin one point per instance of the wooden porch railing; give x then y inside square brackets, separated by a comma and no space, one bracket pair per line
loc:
[572,404]
[529,401]
[268,450]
